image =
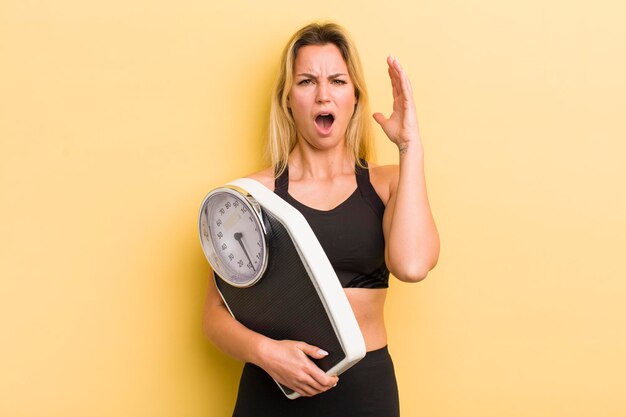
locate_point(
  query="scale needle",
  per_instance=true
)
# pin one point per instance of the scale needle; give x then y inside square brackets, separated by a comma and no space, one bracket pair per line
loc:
[238,237]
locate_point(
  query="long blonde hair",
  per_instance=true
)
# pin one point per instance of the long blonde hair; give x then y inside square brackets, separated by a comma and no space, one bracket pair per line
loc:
[282,127]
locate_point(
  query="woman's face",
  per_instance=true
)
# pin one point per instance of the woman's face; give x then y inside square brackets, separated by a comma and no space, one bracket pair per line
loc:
[322,98]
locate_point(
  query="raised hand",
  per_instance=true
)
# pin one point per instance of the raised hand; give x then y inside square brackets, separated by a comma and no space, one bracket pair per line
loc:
[401,127]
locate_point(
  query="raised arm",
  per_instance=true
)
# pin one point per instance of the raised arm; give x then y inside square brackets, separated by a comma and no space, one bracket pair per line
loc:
[411,238]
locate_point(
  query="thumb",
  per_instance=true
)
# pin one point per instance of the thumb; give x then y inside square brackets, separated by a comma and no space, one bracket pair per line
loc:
[380,118]
[314,351]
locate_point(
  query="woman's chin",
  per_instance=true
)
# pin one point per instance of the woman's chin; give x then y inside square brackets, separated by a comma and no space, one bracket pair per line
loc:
[324,143]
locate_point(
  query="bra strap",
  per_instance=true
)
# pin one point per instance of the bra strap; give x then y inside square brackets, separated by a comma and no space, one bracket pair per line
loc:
[281,183]
[367,189]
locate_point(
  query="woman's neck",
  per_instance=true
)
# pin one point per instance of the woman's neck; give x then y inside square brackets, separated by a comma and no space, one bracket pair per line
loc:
[307,163]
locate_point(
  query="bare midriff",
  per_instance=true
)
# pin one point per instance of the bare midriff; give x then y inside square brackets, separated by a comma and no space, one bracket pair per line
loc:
[368,306]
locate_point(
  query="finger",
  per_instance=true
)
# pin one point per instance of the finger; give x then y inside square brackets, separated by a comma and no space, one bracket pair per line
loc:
[311,388]
[305,391]
[319,377]
[393,77]
[380,118]
[406,86]
[395,69]
[310,385]
[397,72]
[397,65]
[304,384]
[313,351]
[404,82]
[323,381]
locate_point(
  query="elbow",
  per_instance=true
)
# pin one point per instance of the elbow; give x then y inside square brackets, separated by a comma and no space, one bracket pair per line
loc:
[207,330]
[412,265]
[414,272]
[411,275]
[209,323]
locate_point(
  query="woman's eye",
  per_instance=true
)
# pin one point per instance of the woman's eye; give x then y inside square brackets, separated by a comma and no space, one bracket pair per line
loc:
[339,82]
[305,82]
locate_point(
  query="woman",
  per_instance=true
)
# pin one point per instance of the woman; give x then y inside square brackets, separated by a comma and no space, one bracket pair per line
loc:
[320,137]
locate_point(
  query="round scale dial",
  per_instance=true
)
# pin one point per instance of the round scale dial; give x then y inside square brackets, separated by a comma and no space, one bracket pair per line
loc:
[233,236]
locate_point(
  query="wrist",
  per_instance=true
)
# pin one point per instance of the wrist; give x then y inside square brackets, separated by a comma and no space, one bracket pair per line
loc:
[260,350]
[412,147]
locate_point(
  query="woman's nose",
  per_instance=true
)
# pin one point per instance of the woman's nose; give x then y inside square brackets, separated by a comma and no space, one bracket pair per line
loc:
[323,93]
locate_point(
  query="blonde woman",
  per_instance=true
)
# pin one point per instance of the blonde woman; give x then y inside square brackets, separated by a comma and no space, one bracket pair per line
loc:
[371,220]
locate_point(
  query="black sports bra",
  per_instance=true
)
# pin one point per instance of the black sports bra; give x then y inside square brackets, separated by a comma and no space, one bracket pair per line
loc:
[351,234]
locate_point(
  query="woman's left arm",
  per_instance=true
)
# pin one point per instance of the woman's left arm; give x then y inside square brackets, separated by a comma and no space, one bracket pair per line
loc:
[411,238]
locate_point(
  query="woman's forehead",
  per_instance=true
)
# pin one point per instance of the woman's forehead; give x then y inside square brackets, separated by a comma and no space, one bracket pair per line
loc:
[314,59]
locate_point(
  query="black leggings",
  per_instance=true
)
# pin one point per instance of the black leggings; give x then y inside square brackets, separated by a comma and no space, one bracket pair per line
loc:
[367,389]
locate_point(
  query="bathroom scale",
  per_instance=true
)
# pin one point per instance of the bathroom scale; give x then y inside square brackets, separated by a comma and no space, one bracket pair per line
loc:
[273,274]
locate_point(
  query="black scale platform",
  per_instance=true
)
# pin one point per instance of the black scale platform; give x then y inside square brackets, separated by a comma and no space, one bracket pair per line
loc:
[284,303]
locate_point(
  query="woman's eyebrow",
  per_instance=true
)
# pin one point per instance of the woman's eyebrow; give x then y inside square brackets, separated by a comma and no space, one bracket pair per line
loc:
[306,74]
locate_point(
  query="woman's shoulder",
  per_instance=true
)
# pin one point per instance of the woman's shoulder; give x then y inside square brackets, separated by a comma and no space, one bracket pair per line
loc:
[265,177]
[383,170]
[384,179]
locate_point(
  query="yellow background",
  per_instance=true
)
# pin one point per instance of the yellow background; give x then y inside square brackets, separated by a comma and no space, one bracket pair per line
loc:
[117,117]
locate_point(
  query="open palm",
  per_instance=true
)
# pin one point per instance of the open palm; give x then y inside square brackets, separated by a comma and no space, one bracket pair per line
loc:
[401,127]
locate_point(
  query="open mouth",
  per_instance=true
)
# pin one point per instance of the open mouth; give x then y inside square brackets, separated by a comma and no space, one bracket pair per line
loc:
[324,121]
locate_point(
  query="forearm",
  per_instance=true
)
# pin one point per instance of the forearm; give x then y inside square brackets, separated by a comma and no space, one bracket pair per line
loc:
[413,241]
[232,337]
